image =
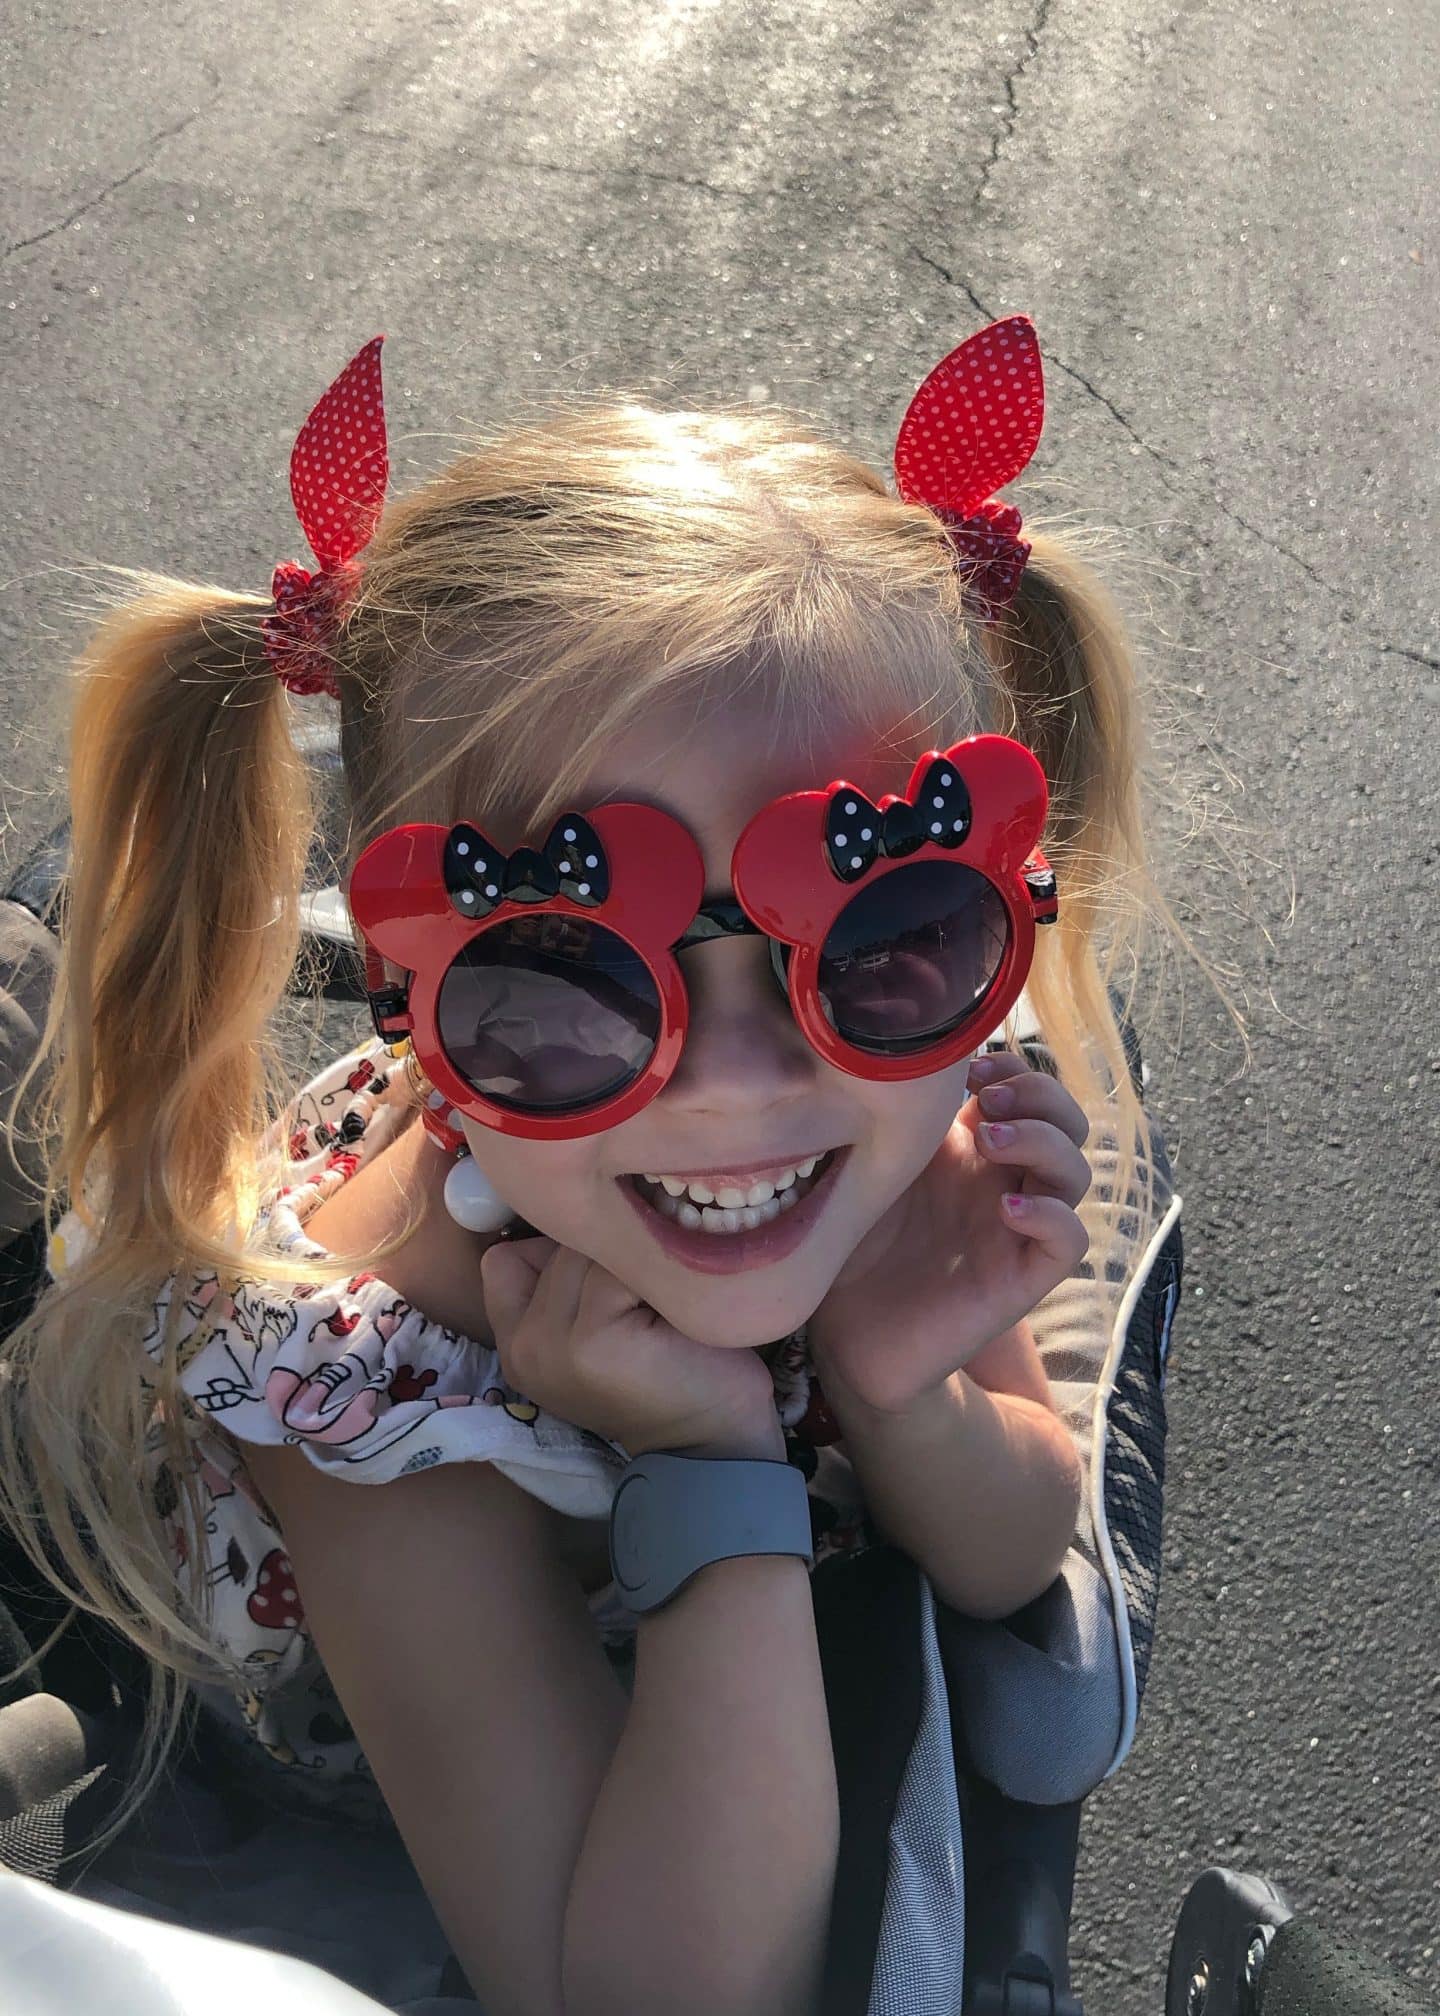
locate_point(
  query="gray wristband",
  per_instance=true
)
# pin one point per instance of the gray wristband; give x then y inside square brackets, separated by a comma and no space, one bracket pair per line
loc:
[672,1515]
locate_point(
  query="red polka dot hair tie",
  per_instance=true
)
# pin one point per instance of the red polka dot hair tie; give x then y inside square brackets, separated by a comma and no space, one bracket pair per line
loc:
[339,468]
[970,429]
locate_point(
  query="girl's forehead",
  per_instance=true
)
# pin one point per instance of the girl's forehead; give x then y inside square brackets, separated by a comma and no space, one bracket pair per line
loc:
[714,766]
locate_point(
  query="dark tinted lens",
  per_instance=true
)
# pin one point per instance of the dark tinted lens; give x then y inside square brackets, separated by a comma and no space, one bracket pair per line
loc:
[911,956]
[549,1013]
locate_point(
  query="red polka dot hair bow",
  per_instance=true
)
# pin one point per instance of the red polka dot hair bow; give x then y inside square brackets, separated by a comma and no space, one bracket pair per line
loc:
[970,430]
[339,468]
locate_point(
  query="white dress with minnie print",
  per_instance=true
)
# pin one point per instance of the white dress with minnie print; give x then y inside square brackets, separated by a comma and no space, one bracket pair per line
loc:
[370,1389]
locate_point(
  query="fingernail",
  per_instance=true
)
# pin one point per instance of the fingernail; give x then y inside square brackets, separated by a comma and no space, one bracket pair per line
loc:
[1015,1203]
[998,1099]
[999,1135]
[983,1066]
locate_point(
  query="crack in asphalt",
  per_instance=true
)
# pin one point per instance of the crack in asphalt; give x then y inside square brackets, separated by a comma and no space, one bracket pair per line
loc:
[950,281]
[1275,546]
[632,175]
[1167,463]
[154,144]
[1007,126]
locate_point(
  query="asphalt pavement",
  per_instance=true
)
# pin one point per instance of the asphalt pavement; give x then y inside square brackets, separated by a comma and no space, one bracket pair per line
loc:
[1223,220]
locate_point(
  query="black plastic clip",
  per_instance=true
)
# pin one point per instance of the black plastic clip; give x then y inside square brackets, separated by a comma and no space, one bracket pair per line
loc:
[390,1006]
[1044,894]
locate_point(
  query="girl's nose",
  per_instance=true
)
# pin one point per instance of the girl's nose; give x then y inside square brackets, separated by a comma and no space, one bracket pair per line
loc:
[743,1050]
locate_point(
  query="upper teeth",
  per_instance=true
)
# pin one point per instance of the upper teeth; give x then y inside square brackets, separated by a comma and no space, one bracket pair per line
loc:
[730,1196]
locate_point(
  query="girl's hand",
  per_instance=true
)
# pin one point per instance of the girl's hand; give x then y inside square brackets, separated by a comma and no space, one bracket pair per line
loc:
[980,1237]
[577,1342]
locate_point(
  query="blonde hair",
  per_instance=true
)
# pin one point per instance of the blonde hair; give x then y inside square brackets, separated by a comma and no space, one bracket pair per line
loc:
[513,613]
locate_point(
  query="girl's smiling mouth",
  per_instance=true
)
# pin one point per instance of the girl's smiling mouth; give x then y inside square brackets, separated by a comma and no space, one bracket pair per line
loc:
[725,1222]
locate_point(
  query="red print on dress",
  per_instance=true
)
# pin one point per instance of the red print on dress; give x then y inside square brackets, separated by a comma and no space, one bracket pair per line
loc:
[275,1601]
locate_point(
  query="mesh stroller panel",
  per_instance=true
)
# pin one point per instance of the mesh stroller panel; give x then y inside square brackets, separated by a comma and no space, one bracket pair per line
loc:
[42,1840]
[1048,1699]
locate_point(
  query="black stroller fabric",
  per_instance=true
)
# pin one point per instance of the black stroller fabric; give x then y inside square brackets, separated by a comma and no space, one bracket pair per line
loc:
[868,1628]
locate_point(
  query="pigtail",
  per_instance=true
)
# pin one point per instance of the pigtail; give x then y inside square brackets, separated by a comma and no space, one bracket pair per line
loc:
[1071,691]
[180,926]
[190,825]
[190,819]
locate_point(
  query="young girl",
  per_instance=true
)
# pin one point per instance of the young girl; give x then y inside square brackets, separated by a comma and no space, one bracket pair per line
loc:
[698,789]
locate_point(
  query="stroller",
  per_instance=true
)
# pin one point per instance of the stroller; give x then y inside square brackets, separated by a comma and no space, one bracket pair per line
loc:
[964,1748]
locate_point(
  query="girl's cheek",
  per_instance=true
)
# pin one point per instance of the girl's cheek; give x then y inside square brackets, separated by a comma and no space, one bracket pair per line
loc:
[912,1117]
[549,1176]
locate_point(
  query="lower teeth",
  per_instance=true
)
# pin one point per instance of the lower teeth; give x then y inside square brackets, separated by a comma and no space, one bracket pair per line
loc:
[725,1222]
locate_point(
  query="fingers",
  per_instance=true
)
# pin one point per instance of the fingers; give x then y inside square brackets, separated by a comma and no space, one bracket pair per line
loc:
[1057,1234]
[1051,1159]
[992,1066]
[521,1274]
[510,1273]
[1010,1089]
[565,1289]
[533,1289]
[601,1296]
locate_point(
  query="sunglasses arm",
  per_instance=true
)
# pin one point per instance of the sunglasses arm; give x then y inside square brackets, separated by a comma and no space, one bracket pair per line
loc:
[389,999]
[1039,878]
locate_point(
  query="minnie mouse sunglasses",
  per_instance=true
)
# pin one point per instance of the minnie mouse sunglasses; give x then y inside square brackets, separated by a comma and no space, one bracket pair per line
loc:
[544,996]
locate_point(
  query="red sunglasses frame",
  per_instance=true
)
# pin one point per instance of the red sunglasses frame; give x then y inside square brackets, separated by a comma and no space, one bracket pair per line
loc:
[791,881]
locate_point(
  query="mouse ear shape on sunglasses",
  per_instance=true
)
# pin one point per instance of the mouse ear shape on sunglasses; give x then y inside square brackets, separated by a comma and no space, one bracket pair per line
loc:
[408,888]
[1006,797]
[397,892]
[987,795]
[657,875]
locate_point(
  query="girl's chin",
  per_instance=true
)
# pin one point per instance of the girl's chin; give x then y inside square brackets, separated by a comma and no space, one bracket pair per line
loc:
[732,1313]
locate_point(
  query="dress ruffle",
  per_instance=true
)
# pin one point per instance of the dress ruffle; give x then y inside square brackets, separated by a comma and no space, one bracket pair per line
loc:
[351,1372]
[371,1390]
